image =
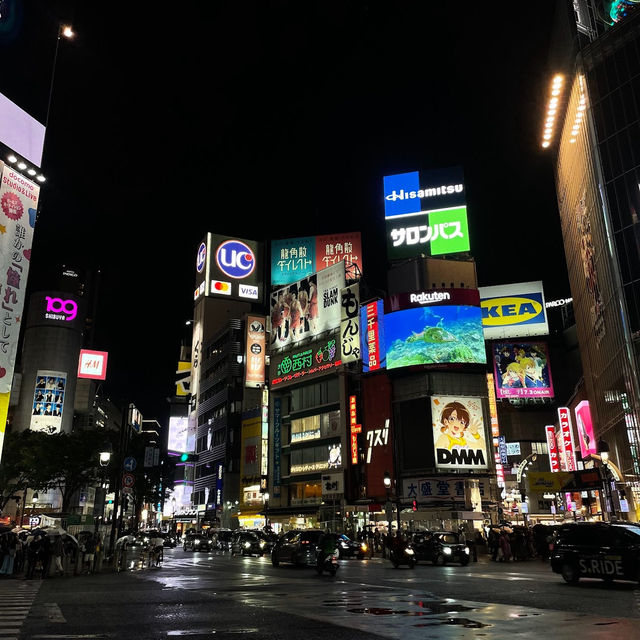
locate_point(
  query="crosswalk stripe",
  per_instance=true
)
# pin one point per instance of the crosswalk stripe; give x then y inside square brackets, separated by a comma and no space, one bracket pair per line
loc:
[16,599]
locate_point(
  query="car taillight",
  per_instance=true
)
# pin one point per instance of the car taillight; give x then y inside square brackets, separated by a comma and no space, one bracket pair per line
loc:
[305,542]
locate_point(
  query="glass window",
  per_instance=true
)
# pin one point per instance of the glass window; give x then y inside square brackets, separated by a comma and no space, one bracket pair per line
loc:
[308,455]
[296,457]
[296,493]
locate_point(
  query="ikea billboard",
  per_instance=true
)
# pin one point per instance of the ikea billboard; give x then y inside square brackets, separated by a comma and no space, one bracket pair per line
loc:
[513,311]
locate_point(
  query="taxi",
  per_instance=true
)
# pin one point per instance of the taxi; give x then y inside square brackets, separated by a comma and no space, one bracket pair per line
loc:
[604,550]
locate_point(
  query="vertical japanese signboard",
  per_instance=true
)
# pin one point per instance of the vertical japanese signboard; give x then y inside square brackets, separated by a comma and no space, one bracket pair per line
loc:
[277,444]
[255,350]
[355,429]
[350,323]
[564,416]
[18,208]
[495,428]
[552,446]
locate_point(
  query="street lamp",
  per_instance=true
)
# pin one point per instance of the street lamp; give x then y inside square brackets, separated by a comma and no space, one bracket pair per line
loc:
[34,500]
[387,486]
[266,509]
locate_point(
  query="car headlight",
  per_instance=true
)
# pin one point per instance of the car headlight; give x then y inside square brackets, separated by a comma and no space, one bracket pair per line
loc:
[466,550]
[247,545]
[446,551]
[409,552]
[363,546]
[262,543]
[344,545]
[196,542]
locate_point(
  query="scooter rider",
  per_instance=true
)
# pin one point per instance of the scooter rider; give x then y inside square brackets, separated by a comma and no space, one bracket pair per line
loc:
[326,546]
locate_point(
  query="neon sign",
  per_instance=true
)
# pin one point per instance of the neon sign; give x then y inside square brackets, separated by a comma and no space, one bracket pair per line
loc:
[306,363]
[58,309]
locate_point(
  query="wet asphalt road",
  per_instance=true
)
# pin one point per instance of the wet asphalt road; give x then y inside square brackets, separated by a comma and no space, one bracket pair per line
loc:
[213,595]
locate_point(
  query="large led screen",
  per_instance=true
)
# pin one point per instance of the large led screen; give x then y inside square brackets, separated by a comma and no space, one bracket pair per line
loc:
[178,434]
[459,438]
[434,335]
[308,307]
[522,370]
[48,401]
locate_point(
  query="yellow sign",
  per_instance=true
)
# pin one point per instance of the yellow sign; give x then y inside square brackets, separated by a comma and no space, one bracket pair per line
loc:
[548,481]
[511,310]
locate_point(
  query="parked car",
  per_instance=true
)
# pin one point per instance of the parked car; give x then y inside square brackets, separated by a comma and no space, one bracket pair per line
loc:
[348,548]
[608,551]
[439,547]
[247,543]
[298,546]
[196,542]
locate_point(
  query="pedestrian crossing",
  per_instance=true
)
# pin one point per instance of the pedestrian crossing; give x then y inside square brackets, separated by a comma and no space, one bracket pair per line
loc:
[16,599]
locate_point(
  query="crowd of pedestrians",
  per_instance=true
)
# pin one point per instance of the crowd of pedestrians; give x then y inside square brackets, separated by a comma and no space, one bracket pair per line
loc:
[511,544]
[42,554]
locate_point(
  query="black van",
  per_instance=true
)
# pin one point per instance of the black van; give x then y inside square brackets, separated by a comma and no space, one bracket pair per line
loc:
[608,551]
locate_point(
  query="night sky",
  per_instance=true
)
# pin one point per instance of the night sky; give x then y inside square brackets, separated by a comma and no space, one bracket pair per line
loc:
[271,120]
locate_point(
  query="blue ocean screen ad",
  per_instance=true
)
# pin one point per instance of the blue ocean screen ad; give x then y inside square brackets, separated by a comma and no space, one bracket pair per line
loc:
[434,335]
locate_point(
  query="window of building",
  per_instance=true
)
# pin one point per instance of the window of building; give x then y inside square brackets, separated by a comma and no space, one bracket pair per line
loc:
[539,448]
[305,493]
[316,394]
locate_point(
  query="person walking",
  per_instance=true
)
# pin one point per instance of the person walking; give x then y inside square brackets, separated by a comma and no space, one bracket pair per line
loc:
[89,554]
[57,553]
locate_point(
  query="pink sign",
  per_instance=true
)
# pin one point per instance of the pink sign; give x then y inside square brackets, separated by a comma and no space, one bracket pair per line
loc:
[564,416]
[552,446]
[584,426]
[93,364]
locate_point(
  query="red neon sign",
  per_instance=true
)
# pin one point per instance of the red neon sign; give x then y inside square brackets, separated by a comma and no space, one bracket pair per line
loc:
[552,446]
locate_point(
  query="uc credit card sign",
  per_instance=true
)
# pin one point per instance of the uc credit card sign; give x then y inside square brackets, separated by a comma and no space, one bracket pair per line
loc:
[513,311]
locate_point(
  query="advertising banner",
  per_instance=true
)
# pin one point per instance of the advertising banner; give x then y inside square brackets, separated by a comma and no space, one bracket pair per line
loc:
[277,443]
[178,435]
[293,259]
[48,401]
[255,351]
[425,213]
[309,361]
[569,455]
[93,364]
[332,485]
[372,339]
[307,308]
[18,208]
[350,323]
[513,311]
[183,378]
[522,370]
[552,447]
[584,426]
[547,481]
[458,432]
[250,448]
[434,335]
[440,488]
[21,132]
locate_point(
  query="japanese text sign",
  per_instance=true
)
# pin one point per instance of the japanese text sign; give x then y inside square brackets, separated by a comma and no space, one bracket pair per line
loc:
[350,323]
[552,447]
[564,416]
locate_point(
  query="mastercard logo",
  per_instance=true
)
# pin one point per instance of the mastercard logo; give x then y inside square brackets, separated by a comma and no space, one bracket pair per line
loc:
[219,286]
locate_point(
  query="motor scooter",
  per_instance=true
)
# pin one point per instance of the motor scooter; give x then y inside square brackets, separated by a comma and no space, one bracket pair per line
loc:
[328,563]
[403,554]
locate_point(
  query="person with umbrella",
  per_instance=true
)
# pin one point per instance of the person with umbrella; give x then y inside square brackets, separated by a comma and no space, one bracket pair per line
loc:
[57,552]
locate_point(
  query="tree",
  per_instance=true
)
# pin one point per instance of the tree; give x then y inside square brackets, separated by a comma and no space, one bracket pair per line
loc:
[72,462]
[22,466]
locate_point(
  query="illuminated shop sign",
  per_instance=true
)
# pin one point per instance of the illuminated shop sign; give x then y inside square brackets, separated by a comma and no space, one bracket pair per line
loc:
[350,323]
[178,434]
[552,447]
[377,438]
[333,461]
[584,426]
[93,364]
[317,359]
[495,428]
[569,457]
[440,488]
[373,349]
[255,351]
[296,258]
[513,310]
[355,429]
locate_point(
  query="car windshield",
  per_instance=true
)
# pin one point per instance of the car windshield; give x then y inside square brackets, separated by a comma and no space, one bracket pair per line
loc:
[448,538]
[633,530]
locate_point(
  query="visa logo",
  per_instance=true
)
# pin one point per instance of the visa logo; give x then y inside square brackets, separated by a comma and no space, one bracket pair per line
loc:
[497,312]
[248,291]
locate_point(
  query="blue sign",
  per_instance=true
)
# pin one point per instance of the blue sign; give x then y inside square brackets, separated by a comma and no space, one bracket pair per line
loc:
[235,259]
[129,464]
[406,194]
[502,449]
[201,259]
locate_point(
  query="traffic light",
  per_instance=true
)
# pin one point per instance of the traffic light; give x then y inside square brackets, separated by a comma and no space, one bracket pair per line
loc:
[414,505]
[188,457]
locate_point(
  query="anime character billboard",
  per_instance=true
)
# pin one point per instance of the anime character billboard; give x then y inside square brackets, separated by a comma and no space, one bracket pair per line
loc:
[459,437]
[522,370]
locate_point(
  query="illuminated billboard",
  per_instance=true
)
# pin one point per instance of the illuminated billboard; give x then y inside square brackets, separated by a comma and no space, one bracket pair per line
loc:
[306,308]
[48,401]
[459,438]
[230,267]
[584,427]
[93,364]
[350,323]
[306,362]
[21,132]
[426,213]
[178,435]
[522,370]
[255,350]
[296,258]
[433,327]
[513,311]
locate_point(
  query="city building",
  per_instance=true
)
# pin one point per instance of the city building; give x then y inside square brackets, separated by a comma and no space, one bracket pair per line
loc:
[591,130]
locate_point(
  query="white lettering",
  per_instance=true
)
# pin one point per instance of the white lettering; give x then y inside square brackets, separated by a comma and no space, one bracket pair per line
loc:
[425,193]
[426,298]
